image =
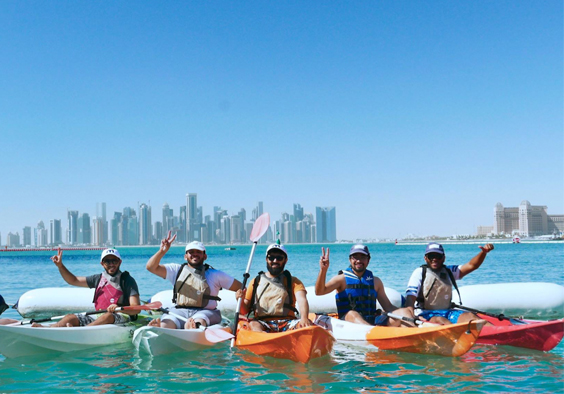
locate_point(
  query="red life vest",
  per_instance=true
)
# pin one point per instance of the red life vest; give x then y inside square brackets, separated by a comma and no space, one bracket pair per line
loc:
[108,291]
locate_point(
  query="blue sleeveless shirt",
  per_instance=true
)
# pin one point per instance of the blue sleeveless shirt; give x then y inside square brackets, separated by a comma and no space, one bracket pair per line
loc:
[359,295]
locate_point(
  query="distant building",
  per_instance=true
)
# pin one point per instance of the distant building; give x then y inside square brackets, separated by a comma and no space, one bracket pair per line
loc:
[192,223]
[41,235]
[26,236]
[84,230]
[526,220]
[72,227]
[13,240]
[484,230]
[326,221]
[145,225]
[55,232]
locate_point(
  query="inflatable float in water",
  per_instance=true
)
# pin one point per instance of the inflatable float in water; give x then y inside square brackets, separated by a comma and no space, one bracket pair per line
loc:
[532,299]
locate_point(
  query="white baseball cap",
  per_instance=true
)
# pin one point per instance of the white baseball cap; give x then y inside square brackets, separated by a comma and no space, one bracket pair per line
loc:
[277,247]
[195,245]
[108,252]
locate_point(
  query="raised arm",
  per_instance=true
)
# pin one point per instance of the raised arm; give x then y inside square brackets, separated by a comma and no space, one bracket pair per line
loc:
[321,286]
[153,265]
[476,261]
[68,276]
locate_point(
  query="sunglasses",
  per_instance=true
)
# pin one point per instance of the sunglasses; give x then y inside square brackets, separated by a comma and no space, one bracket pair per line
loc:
[110,262]
[274,257]
[435,256]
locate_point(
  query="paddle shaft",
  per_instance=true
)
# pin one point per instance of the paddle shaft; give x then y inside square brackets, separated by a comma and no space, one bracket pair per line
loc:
[501,316]
[150,306]
[240,302]
[404,318]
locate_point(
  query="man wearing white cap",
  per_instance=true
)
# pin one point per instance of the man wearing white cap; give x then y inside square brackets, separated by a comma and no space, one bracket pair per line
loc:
[196,286]
[272,296]
[113,289]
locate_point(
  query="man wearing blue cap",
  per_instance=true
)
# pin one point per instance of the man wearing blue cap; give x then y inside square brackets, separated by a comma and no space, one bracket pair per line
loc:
[430,287]
[357,290]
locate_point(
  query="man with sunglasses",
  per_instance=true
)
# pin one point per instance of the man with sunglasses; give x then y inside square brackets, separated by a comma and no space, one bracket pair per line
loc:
[430,287]
[358,290]
[196,287]
[272,296]
[113,289]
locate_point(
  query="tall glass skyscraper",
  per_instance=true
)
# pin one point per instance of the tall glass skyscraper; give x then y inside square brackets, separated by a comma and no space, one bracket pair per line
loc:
[326,222]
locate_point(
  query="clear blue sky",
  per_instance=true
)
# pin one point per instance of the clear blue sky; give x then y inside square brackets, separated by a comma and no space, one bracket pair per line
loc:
[409,117]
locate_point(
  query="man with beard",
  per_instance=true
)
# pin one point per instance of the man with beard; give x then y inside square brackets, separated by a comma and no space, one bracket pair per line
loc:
[357,291]
[113,289]
[196,286]
[430,286]
[272,296]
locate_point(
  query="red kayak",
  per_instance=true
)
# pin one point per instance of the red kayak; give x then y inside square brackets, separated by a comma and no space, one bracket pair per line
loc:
[533,334]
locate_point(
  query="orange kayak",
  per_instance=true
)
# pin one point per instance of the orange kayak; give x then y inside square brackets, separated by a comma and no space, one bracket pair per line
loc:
[301,345]
[448,340]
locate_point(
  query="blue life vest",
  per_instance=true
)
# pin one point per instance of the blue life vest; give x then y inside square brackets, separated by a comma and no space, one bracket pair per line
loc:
[359,295]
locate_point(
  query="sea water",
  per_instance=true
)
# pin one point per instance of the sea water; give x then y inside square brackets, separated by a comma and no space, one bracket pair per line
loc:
[348,369]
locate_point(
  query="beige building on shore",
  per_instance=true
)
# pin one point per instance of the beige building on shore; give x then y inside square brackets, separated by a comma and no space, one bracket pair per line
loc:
[526,220]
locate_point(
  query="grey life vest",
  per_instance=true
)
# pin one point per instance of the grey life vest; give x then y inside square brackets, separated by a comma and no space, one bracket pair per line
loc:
[271,298]
[191,289]
[436,288]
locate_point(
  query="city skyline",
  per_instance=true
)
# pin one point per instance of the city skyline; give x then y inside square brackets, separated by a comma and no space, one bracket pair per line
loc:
[137,226]
[409,117]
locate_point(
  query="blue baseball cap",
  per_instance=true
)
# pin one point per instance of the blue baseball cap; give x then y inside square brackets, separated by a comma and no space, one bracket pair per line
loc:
[434,247]
[359,248]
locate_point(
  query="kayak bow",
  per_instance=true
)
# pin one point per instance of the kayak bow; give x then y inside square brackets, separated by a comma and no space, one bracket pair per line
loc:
[300,345]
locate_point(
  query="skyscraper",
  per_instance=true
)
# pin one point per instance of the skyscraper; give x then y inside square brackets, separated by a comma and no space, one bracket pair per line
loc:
[72,227]
[26,236]
[193,228]
[84,229]
[326,222]
[167,218]
[55,233]
[145,225]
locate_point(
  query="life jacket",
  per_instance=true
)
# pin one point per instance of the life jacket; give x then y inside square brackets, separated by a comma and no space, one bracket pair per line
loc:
[111,290]
[359,295]
[191,289]
[435,291]
[271,298]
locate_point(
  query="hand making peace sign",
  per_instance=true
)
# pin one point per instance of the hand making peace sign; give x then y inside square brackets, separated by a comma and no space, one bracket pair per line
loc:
[324,259]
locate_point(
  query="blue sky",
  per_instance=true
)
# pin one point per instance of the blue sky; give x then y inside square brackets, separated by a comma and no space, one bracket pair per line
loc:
[409,117]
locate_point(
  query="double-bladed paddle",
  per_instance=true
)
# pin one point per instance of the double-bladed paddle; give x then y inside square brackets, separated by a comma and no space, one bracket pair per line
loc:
[146,307]
[259,229]
[499,316]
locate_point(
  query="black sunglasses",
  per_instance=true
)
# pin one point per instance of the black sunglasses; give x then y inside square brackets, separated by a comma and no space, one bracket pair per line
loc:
[274,257]
[435,256]
[111,261]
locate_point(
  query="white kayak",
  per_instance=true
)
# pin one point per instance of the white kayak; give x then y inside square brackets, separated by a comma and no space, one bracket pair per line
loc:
[157,341]
[24,340]
[55,301]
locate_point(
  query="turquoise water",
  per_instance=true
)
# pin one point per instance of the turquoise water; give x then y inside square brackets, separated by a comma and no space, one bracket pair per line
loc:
[348,369]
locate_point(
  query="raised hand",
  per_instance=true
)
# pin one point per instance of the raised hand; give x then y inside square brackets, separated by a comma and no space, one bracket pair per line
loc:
[487,248]
[58,258]
[165,243]
[324,259]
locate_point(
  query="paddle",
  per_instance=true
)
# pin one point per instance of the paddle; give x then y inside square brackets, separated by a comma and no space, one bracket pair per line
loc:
[147,307]
[259,228]
[500,316]
[408,319]
[213,335]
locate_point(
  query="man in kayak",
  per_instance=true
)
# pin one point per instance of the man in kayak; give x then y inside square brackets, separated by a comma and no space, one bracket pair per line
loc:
[196,286]
[430,287]
[357,291]
[113,289]
[272,296]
